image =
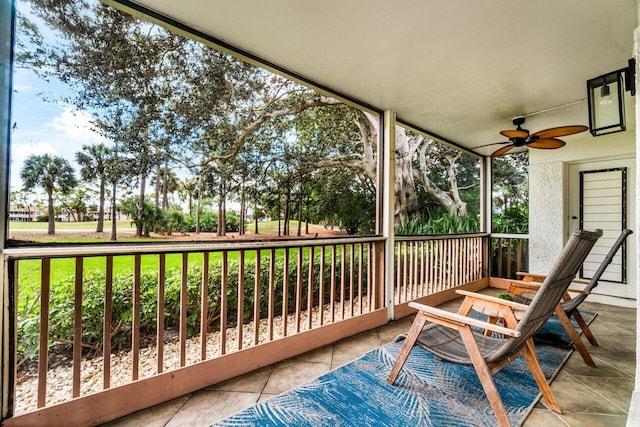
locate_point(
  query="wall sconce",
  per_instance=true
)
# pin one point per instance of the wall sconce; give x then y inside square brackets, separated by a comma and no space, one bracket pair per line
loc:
[605,96]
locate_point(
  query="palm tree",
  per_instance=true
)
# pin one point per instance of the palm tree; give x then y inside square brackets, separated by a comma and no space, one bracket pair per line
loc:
[166,182]
[52,173]
[93,160]
[188,190]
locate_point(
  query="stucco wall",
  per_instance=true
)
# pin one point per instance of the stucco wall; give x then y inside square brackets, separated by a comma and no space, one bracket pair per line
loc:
[546,205]
[548,188]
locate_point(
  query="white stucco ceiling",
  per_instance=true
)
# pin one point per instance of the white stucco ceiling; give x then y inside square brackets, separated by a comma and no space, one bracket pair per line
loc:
[458,68]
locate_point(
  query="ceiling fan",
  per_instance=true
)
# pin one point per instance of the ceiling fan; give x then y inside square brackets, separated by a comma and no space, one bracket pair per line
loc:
[544,139]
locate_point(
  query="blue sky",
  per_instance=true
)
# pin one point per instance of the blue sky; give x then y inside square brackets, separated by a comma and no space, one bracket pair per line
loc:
[43,123]
[45,127]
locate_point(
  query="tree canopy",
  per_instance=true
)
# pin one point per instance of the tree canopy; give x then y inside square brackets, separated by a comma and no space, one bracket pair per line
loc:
[176,109]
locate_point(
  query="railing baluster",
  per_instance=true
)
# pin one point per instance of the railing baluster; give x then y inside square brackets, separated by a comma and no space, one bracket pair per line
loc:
[106,325]
[224,279]
[351,277]
[360,262]
[499,261]
[204,306]
[240,299]
[77,328]
[343,277]
[398,276]
[135,328]
[162,272]
[333,285]
[423,269]
[272,280]
[412,266]
[321,286]
[285,294]
[183,310]
[369,276]
[43,350]
[509,250]
[298,289]
[256,300]
[310,289]
[405,275]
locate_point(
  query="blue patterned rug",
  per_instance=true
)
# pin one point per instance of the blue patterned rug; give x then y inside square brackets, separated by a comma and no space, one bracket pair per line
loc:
[427,392]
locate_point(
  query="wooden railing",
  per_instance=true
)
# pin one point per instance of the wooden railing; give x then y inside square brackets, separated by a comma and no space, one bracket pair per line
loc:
[230,298]
[509,254]
[426,265]
[175,318]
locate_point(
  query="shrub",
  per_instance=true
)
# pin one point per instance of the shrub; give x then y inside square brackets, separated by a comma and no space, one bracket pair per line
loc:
[61,305]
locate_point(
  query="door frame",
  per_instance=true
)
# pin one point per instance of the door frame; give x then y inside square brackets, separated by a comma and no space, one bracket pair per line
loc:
[606,291]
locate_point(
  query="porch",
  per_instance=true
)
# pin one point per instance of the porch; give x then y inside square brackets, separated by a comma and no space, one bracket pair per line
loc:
[587,396]
[335,297]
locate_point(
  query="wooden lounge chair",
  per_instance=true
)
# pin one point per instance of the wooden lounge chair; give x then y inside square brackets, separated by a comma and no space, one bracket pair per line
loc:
[568,308]
[451,337]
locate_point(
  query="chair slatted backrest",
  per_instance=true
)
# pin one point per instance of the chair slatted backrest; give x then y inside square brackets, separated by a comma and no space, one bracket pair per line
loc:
[554,286]
[593,282]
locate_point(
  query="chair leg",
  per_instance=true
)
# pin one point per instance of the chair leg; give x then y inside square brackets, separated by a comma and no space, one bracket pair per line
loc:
[530,356]
[484,374]
[573,334]
[493,320]
[585,328]
[409,342]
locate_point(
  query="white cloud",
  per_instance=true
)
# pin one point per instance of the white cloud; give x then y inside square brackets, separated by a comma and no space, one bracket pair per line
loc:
[63,135]
[75,128]
[20,152]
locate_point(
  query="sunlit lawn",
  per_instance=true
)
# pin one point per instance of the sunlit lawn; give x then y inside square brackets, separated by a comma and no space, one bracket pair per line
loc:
[64,268]
[121,225]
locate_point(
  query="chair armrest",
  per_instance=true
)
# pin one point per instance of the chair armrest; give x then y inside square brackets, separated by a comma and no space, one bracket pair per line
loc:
[579,291]
[512,304]
[532,286]
[532,276]
[524,285]
[580,281]
[435,313]
[541,277]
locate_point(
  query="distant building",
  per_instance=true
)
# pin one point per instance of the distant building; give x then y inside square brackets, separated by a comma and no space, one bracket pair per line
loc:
[26,214]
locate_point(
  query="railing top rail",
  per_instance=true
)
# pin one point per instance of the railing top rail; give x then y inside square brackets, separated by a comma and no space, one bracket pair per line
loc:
[509,236]
[438,237]
[67,251]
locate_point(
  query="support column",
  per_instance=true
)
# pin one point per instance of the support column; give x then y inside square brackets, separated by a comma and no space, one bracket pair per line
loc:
[485,212]
[388,183]
[634,409]
[7,14]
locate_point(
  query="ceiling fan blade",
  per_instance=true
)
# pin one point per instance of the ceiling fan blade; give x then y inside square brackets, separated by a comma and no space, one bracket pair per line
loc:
[547,143]
[559,131]
[501,151]
[493,143]
[514,133]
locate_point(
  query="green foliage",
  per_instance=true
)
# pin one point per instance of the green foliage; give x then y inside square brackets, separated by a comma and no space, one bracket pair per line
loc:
[61,304]
[514,220]
[209,222]
[176,221]
[436,221]
[510,194]
[505,296]
[151,219]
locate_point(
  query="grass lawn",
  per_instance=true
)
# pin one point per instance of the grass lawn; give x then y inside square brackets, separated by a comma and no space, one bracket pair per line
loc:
[121,225]
[64,268]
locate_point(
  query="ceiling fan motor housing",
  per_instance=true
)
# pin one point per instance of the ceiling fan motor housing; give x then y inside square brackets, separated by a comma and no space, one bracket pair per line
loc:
[519,120]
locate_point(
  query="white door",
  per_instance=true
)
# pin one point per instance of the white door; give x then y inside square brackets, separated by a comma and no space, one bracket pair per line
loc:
[602,195]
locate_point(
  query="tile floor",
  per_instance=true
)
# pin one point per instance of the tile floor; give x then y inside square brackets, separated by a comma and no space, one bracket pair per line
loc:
[588,396]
